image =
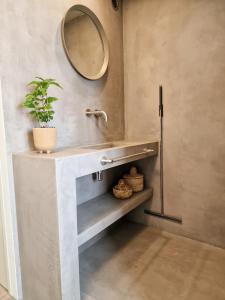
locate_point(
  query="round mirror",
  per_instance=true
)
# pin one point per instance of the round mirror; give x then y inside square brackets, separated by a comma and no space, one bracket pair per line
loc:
[85,42]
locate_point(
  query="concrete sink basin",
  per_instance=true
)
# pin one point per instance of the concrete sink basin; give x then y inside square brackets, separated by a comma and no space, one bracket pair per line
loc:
[103,146]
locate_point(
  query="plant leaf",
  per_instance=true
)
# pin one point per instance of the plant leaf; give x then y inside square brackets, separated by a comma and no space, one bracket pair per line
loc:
[57,84]
[34,83]
[40,78]
[51,99]
[38,101]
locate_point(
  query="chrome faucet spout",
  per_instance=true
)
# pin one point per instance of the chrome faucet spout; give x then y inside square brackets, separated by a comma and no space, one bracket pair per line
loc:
[97,113]
[103,114]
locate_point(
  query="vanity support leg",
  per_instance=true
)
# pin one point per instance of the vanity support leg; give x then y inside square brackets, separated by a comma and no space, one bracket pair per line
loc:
[47,229]
[67,214]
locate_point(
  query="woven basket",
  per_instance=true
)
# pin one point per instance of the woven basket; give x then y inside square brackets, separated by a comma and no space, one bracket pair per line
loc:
[122,190]
[134,180]
[120,194]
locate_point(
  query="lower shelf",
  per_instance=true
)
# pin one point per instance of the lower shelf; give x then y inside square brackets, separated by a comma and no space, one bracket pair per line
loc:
[99,213]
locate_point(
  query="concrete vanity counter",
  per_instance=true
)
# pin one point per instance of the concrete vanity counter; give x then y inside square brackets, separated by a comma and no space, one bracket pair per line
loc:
[87,159]
[50,232]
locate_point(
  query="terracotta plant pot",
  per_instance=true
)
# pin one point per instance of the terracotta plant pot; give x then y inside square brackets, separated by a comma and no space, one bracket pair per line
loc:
[44,139]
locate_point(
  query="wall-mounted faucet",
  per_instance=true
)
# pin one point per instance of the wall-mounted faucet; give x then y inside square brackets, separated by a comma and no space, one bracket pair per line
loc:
[97,113]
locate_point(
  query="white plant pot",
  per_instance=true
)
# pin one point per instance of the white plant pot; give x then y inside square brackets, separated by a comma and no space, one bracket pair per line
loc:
[45,139]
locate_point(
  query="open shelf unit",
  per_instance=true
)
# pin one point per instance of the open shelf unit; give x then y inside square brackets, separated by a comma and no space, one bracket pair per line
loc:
[97,214]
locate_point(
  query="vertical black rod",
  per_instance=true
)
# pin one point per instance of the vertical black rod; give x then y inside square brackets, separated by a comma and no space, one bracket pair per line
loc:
[161,148]
[147,211]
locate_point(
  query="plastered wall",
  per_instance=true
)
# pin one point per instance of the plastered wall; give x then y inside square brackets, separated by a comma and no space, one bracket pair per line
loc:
[181,45]
[31,46]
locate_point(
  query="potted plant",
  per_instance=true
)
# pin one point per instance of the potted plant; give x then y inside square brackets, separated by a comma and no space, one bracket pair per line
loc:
[41,109]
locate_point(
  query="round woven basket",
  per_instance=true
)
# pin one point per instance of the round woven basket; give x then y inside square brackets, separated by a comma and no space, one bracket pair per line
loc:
[134,180]
[122,190]
[120,194]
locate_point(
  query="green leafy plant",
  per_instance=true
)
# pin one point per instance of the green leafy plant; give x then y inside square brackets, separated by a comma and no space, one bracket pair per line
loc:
[39,102]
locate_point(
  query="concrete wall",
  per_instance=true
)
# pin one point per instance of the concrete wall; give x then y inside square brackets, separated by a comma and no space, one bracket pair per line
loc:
[181,44]
[31,46]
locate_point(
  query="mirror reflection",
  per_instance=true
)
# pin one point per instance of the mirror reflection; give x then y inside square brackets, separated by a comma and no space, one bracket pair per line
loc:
[85,42]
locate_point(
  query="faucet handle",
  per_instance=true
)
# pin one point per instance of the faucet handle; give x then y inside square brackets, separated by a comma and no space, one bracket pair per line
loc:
[97,113]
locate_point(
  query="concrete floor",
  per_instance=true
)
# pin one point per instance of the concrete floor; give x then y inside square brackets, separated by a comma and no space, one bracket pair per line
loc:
[140,263]
[4,294]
